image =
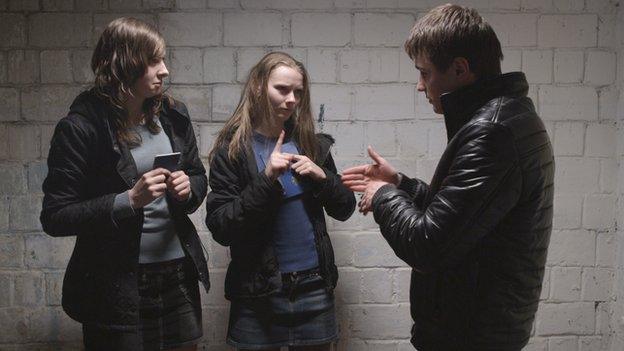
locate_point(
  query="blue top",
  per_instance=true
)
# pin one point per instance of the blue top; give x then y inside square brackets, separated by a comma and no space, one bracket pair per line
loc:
[293,237]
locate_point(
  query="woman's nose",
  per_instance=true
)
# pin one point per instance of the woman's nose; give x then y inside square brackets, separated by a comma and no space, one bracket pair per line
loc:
[163,71]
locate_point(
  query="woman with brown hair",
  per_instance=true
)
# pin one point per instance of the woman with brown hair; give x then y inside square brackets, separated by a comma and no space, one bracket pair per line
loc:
[271,177]
[132,279]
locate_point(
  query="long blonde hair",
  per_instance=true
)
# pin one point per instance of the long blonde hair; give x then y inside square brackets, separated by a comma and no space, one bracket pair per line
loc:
[254,109]
[122,55]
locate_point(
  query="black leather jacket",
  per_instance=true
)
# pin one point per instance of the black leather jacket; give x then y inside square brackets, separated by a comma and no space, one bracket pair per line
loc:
[87,169]
[478,234]
[241,208]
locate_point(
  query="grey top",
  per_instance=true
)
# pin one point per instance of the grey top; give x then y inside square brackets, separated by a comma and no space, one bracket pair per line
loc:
[159,241]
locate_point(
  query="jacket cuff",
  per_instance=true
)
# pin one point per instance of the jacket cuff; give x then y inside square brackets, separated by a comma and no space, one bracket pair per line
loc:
[121,207]
[274,186]
[320,188]
[380,192]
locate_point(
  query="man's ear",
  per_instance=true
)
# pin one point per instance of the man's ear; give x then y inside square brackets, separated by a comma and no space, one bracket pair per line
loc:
[461,69]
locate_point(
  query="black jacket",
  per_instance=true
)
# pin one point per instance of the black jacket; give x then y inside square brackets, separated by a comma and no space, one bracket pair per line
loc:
[477,235]
[241,207]
[87,168]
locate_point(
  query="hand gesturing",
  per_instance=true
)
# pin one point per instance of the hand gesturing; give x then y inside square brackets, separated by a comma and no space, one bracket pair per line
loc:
[303,166]
[278,162]
[357,178]
[369,178]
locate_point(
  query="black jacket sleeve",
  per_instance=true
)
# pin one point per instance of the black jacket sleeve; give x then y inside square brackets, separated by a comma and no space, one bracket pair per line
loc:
[66,209]
[338,200]
[482,185]
[192,166]
[231,211]
[416,188]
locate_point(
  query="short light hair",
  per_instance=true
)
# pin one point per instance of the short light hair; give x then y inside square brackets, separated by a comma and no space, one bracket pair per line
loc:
[450,31]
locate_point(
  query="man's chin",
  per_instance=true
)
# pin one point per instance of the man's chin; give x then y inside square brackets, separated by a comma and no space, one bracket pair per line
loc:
[437,110]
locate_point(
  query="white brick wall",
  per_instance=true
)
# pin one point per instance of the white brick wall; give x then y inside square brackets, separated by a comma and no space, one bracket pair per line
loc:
[617,314]
[238,29]
[321,29]
[572,52]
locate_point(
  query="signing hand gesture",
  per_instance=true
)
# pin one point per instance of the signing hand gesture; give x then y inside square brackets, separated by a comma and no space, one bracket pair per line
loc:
[148,188]
[357,178]
[278,162]
[369,178]
[179,186]
[303,166]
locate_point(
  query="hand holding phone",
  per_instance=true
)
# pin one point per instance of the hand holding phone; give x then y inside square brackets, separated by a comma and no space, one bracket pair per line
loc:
[179,186]
[149,187]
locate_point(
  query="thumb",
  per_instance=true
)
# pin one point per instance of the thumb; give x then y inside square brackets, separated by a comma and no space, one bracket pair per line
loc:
[375,156]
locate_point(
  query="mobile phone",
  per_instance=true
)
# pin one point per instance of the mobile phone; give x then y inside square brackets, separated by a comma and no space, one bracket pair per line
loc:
[169,162]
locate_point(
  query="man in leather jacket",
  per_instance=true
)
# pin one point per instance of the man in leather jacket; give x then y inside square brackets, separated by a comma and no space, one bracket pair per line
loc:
[477,235]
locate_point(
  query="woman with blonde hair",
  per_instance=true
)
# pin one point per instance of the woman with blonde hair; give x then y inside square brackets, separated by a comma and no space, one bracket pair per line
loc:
[271,177]
[132,279]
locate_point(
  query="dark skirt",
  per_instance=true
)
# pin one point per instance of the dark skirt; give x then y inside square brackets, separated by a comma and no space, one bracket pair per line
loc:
[302,313]
[170,311]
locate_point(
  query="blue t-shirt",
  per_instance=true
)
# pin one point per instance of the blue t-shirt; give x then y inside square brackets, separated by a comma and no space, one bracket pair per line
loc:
[293,237]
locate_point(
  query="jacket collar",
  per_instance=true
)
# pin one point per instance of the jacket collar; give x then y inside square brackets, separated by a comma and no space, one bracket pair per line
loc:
[460,105]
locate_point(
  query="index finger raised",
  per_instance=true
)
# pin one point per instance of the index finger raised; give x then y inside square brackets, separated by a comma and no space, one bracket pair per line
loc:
[280,140]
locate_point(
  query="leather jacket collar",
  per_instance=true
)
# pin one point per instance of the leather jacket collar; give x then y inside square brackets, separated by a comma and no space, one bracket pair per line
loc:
[460,105]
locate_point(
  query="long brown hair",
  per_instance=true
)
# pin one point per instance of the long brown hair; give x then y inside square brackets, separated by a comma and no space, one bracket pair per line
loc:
[254,109]
[122,55]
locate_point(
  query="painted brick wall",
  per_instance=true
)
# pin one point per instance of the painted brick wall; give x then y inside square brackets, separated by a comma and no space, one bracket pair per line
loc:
[617,316]
[572,52]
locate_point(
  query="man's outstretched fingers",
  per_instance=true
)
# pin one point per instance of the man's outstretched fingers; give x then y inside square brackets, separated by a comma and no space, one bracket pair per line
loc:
[352,177]
[355,170]
[374,155]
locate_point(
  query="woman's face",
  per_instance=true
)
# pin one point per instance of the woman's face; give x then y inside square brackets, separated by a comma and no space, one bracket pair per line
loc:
[285,89]
[151,84]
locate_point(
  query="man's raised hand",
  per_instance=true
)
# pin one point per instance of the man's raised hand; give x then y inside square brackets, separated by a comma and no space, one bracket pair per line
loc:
[357,178]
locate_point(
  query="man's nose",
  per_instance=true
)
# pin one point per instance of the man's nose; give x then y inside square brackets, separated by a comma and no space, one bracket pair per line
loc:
[420,86]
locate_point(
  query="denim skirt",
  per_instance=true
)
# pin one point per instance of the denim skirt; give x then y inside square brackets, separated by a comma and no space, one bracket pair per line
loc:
[301,313]
[170,314]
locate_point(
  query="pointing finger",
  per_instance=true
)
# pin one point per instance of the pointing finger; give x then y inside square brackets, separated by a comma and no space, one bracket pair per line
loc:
[280,141]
